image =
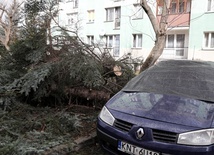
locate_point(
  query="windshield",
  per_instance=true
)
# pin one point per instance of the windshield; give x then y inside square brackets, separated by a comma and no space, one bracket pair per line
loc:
[168,106]
[182,78]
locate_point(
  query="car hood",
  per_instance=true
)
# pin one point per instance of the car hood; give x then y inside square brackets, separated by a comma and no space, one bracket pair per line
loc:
[186,112]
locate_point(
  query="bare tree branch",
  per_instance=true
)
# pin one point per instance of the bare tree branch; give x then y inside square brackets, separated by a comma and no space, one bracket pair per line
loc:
[151,15]
[8,16]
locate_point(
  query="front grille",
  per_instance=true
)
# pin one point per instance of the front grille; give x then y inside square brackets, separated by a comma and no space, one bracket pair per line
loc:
[122,125]
[164,136]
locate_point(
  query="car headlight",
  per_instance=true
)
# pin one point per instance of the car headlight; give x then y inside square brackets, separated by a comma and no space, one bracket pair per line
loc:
[106,116]
[200,137]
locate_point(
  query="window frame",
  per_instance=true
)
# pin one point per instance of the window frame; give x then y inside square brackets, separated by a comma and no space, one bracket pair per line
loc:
[113,43]
[90,39]
[73,17]
[170,43]
[109,41]
[172,9]
[181,3]
[186,4]
[109,14]
[91,16]
[113,13]
[210,6]
[116,49]
[75,3]
[138,12]
[177,45]
[209,40]
[117,17]
[136,42]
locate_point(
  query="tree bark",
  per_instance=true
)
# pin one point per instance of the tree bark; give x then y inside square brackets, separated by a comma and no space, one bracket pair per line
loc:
[8,25]
[156,52]
[160,31]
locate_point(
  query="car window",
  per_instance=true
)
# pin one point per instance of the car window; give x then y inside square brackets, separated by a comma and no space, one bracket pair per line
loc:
[186,106]
[135,101]
[139,103]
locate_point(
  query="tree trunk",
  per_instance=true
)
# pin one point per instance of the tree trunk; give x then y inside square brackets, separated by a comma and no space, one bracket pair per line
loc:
[8,16]
[156,52]
[7,47]
[49,33]
[160,29]
[7,37]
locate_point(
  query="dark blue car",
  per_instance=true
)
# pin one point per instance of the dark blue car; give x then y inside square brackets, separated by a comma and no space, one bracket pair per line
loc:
[166,110]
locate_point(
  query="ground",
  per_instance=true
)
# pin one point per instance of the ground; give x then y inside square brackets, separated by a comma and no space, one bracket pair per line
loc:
[27,130]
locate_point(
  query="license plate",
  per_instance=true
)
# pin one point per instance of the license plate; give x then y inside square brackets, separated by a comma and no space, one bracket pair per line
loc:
[134,150]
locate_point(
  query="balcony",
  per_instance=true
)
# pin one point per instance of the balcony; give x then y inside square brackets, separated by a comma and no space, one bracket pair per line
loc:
[174,53]
[177,20]
[179,13]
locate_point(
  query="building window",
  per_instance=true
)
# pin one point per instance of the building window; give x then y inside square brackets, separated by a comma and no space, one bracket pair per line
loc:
[113,42]
[181,6]
[188,6]
[116,51]
[210,6]
[180,40]
[176,7]
[110,14]
[137,40]
[117,17]
[170,41]
[209,40]
[159,7]
[91,16]
[72,18]
[176,43]
[114,14]
[109,41]
[90,40]
[173,8]
[76,3]
[138,11]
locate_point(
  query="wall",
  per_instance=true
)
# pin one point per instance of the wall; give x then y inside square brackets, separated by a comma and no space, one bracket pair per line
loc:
[127,28]
[201,21]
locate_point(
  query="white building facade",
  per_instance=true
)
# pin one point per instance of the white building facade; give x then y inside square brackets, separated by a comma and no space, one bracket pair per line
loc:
[122,27]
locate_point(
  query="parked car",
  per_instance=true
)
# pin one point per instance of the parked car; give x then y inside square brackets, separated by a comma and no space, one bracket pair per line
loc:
[166,110]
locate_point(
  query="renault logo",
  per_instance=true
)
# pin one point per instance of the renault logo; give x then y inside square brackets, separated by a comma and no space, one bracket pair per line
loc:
[139,133]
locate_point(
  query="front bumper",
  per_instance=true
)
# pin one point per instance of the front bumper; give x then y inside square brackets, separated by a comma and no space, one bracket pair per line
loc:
[108,142]
[109,136]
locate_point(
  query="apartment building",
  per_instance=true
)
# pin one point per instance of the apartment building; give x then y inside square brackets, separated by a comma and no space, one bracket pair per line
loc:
[119,26]
[201,40]
[177,39]
[122,27]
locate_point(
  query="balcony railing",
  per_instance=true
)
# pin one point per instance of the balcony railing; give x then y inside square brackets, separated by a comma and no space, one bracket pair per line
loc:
[175,53]
[177,20]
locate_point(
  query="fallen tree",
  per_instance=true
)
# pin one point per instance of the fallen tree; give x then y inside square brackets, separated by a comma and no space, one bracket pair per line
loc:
[71,73]
[63,71]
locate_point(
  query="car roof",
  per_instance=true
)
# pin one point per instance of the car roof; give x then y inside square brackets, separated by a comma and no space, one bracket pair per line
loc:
[192,79]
